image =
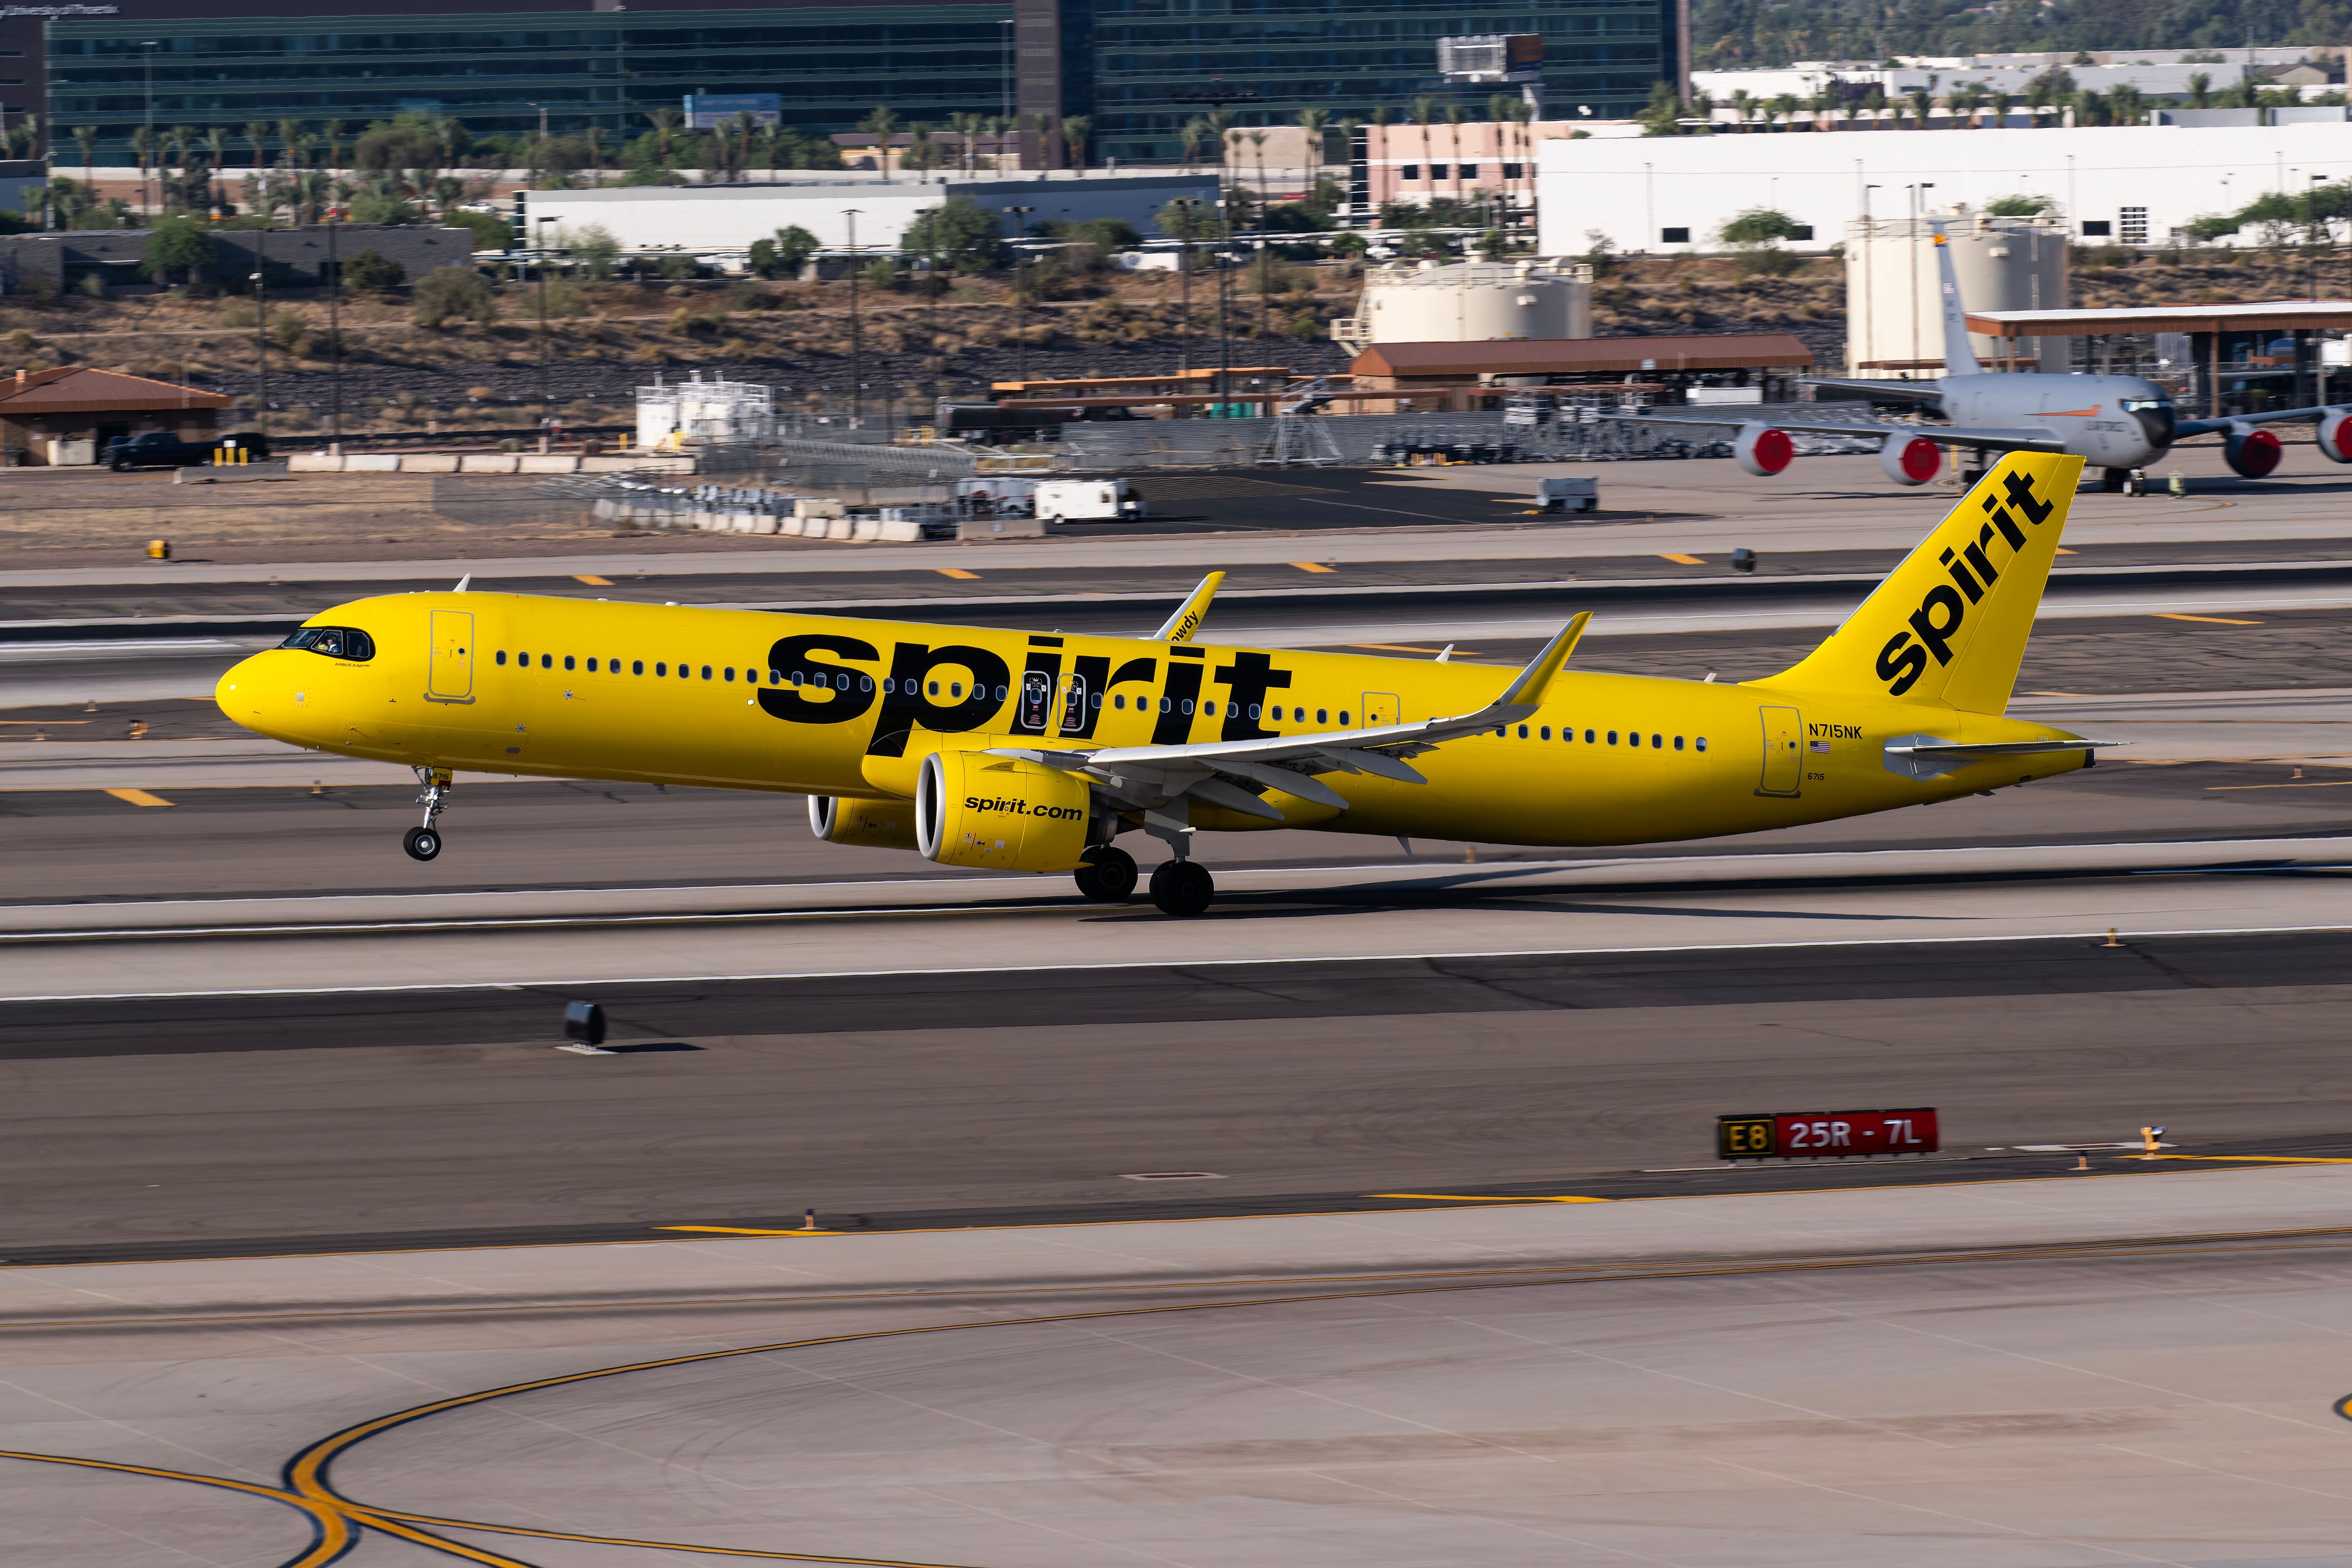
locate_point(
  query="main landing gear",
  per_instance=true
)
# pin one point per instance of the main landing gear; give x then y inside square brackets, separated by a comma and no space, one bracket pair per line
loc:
[423,843]
[2124,481]
[1108,875]
[1183,888]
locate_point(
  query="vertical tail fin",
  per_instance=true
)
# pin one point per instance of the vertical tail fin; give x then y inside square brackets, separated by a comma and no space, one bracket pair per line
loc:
[1959,357]
[1949,626]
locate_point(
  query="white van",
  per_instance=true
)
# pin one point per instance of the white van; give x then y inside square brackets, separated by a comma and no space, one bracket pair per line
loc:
[1087,500]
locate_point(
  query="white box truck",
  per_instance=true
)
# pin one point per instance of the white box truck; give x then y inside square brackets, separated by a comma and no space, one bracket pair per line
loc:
[1087,500]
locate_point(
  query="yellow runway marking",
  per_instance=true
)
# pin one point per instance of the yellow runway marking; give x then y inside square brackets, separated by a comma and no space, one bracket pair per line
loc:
[2314,783]
[331,1531]
[1459,1198]
[138,798]
[958,572]
[1681,560]
[737,1230]
[591,579]
[1309,566]
[2064,551]
[2208,620]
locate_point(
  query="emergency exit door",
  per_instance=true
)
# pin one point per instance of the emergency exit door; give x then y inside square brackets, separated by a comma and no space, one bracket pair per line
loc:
[450,678]
[1784,751]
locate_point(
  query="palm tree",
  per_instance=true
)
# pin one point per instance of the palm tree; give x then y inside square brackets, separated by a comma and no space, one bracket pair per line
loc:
[2000,102]
[966,127]
[172,150]
[1454,115]
[332,147]
[1043,123]
[665,123]
[1743,104]
[882,124]
[87,136]
[256,136]
[1921,101]
[142,143]
[1424,114]
[594,139]
[1194,136]
[1074,130]
[1499,107]
[2201,91]
[1782,106]
[1313,122]
[290,131]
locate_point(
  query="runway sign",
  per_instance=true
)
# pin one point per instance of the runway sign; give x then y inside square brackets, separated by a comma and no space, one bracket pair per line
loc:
[1825,1134]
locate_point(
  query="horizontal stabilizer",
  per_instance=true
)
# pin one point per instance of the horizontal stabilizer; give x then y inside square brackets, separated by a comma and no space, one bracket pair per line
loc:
[1932,756]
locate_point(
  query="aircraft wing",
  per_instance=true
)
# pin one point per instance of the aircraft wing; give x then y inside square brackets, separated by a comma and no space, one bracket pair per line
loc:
[1925,391]
[2016,440]
[1214,772]
[2207,426]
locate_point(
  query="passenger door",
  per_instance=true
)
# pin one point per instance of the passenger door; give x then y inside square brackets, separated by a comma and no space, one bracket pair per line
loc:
[1380,708]
[1784,751]
[450,676]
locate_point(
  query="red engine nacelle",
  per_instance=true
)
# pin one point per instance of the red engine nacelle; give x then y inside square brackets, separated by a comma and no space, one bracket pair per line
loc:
[2252,450]
[2336,436]
[1763,451]
[1909,460]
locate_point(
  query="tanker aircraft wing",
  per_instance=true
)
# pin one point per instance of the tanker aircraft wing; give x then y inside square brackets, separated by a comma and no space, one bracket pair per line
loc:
[2016,440]
[2187,427]
[1214,772]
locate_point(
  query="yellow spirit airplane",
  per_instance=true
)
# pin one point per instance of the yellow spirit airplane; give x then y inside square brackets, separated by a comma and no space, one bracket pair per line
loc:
[1030,752]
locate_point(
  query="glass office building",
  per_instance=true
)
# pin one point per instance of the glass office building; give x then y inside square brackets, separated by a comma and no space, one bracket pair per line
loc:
[1136,67]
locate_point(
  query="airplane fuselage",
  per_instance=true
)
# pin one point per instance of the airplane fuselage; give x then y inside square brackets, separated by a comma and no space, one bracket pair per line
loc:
[744,700]
[2109,421]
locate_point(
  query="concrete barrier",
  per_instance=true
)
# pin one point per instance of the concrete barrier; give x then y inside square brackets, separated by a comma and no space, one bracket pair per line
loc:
[314,463]
[486,463]
[548,463]
[429,463]
[372,463]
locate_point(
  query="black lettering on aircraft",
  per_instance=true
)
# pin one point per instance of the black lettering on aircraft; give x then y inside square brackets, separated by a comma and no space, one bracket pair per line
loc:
[1901,663]
[907,698]
[1937,636]
[2019,486]
[1174,725]
[1248,678]
[2006,523]
[852,690]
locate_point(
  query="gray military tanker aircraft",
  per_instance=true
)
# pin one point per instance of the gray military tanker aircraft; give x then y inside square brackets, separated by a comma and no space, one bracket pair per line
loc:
[2121,424]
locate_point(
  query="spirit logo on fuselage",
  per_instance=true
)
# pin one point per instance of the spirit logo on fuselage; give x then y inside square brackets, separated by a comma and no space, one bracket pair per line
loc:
[1944,609]
[960,688]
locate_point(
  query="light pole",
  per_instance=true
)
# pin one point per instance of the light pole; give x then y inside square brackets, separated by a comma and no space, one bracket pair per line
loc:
[1918,208]
[1184,206]
[538,253]
[1020,293]
[335,336]
[856,347]
[149,61]
[261,327]
[1869,244]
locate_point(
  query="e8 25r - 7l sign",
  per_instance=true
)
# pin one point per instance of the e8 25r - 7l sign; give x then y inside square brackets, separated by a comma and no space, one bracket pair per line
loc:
[1825,1134]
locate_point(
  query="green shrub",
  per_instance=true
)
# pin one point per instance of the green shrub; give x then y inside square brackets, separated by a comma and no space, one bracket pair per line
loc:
[452,291]
[371,269]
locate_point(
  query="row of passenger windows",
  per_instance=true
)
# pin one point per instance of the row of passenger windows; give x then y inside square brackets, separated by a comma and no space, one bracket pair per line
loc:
[891,685]
[1609,737]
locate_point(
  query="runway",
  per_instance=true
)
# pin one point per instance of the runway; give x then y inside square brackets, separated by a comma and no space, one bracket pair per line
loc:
[1916,1376]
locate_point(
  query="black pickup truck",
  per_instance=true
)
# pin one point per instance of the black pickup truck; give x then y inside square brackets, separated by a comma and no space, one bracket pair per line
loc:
[161,449]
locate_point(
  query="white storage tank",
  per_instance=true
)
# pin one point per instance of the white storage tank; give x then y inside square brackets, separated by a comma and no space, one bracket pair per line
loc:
[1893,310]
[1469,302]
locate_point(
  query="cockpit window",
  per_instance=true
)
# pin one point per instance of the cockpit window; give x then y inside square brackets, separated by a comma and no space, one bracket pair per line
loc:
[335,642]
[2134,405]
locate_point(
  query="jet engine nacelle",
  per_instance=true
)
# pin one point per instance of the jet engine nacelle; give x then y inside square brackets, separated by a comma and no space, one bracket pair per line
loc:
[1763,450]
[866,824]
[2252,450]
[2336,436]
[1910,460]
[973,809]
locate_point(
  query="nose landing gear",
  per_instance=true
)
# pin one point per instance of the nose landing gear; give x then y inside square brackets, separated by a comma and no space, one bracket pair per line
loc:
[423,843]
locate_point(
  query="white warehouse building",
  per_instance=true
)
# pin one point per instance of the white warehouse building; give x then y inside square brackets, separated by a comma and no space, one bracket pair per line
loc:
[2131,185]
[704,219]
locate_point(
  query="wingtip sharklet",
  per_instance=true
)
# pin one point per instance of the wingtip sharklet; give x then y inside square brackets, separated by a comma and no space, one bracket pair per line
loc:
[1528,690]
[1179,627]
